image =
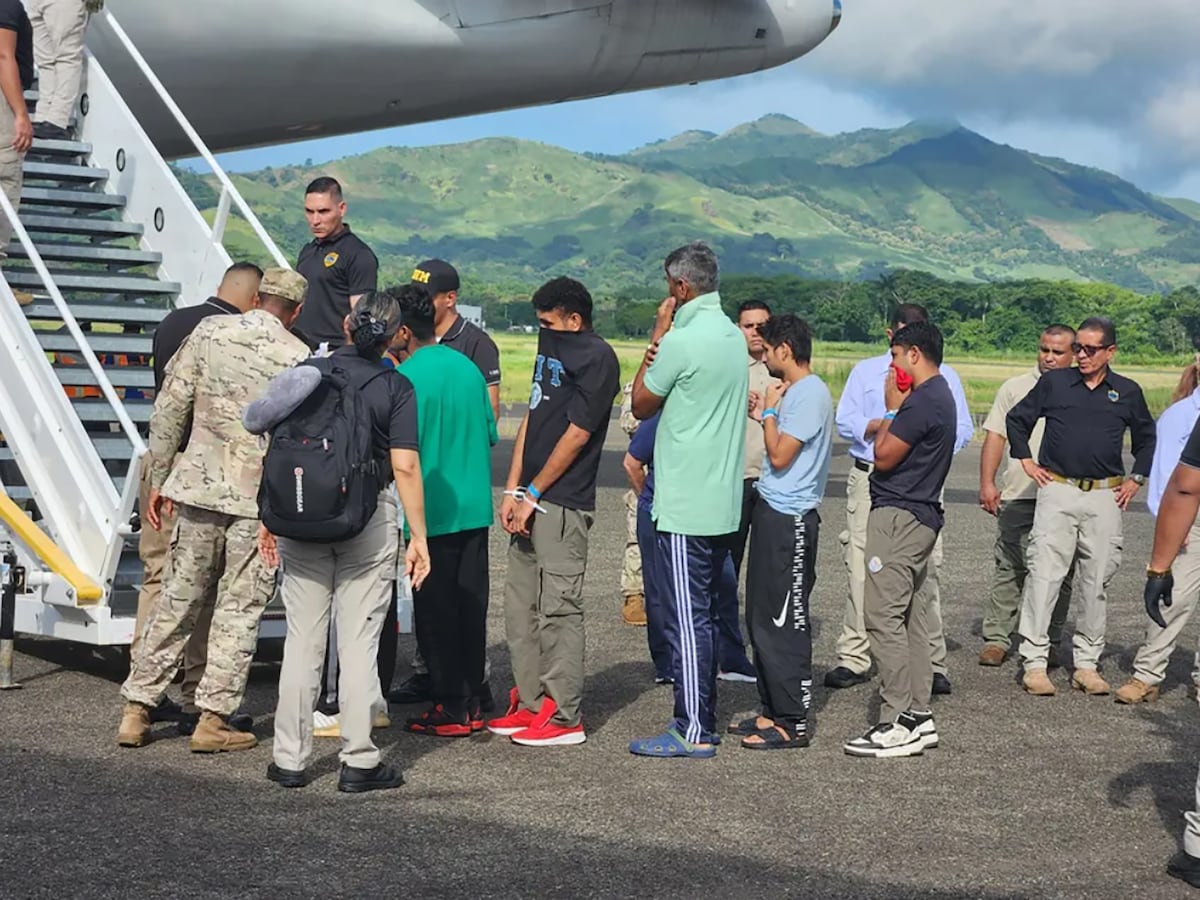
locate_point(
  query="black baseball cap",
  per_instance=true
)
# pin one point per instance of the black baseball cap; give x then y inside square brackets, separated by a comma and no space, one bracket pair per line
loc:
[437,275]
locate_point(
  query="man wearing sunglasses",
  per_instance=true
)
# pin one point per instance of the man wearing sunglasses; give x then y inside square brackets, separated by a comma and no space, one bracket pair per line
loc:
[1082,491]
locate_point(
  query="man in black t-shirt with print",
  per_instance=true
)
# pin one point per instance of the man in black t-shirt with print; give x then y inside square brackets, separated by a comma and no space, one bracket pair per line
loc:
[550,499]
[339,267]
[913,451]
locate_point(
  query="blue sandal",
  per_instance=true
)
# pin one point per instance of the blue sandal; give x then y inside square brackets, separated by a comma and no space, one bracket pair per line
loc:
[670,745]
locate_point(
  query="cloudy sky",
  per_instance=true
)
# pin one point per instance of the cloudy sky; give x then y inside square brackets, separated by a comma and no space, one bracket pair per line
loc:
[1109,83]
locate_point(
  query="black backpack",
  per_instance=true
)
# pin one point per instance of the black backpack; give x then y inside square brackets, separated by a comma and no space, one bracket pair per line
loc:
[321,478]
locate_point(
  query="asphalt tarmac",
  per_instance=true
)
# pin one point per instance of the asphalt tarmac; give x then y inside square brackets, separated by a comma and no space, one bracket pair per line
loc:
[1070,796]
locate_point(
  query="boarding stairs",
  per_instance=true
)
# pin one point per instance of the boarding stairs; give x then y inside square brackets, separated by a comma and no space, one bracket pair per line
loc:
[108,242]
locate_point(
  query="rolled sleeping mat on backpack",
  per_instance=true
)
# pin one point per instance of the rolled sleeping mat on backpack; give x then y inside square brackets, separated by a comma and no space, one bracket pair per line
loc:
[283,396]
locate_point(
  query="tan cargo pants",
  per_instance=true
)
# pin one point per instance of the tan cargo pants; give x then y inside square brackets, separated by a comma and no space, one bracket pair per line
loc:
[58,27]
[1070,524]
[12,174]
[631,569]
[1150,664]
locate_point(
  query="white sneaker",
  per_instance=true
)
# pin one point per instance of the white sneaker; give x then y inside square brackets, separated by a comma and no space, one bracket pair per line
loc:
[326,726]
[922,725]
[740,677]
[887,740]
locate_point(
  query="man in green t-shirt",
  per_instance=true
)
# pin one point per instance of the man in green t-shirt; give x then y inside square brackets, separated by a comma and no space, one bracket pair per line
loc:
[456,430]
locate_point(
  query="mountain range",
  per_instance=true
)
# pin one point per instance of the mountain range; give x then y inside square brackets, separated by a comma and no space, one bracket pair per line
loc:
[772,195]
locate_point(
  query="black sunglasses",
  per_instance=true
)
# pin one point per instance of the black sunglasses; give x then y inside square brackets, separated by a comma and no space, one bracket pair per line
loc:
[1077,348]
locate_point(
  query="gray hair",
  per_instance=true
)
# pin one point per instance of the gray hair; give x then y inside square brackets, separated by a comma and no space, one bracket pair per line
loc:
[697,265]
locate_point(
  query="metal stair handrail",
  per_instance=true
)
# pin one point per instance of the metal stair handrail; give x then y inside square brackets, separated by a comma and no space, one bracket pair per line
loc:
[229,191]
[72,324]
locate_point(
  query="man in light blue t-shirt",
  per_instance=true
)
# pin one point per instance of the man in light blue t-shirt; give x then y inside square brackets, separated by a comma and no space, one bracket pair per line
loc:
[797,422]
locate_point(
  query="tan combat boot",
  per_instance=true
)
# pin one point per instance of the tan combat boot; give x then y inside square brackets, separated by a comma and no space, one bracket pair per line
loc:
[992,656]
[1090,682]
[213,735]
[24,298]
[1136,691]
[134,730]
[634,610]
[1036,682]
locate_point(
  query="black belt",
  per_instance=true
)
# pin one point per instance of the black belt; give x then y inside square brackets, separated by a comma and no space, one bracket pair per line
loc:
[862,465]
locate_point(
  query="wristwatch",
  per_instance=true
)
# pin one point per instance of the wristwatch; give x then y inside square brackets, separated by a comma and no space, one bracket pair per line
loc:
[1139,480]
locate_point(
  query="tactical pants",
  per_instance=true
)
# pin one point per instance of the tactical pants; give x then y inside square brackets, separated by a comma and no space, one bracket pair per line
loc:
[351,580]
[58,27]
[631,570]
[1070,524]
[210,552]
[853,648]
[154,550]
[1150,665]
[543,610]
[1014,523]
[12,174]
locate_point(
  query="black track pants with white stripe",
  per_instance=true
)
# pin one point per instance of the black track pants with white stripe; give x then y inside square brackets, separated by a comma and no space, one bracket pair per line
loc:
[779,583]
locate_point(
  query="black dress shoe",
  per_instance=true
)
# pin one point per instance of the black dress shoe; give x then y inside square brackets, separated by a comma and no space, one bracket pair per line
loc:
[359,781]
[288,778]
[48,131]
[241,721]
[941,684]
[487,703]
[841,677]
[1185,868]
[416,689]
[166,711]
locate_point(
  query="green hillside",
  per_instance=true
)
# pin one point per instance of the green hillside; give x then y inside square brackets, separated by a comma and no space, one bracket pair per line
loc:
[774,196]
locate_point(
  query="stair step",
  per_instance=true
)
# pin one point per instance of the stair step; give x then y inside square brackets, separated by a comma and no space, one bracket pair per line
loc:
[101,229]
[99,312]
[78,252]
[121,376]
[97,411]
[59,148]
[40,196]
[43,171]
[19,493]
[123,344]
[98,283]
[116,447]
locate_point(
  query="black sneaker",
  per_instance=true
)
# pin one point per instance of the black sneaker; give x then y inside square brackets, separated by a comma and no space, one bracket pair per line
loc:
[922,725]
[887,740]
[415,689]
[359,781]
[841,677]
[941,684]
[1185,868]
[487,703]
[288,778]
[48,131]
[186,722]
[241,721]
[166,711]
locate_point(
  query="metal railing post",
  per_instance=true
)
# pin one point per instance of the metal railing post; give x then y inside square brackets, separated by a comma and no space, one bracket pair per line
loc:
[10,572]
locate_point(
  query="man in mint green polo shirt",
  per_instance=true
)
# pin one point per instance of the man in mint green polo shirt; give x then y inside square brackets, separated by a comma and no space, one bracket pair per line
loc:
[456,430]
[695,372]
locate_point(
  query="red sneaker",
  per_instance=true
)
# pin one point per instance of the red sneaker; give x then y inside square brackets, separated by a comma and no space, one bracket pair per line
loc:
[475,716]
[438,723]
[544,733]
[516,719]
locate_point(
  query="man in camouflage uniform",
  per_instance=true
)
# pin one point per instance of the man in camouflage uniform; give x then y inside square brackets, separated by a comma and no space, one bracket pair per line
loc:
[633,611]
[223,366]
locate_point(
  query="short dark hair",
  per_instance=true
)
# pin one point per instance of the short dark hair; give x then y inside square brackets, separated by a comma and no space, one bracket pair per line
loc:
[790,330]
[1058,329]
[751,306]
[244,266]
[924,336]
[908,314]
[416,309]
[325,185]
[1102,324]
[564,294]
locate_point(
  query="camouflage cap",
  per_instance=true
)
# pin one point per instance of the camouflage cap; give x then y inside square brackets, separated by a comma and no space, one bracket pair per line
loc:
[284,283]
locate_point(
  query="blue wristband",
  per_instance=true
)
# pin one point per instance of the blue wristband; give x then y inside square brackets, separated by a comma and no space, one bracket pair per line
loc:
[533,492]
[770,411]
[891,414]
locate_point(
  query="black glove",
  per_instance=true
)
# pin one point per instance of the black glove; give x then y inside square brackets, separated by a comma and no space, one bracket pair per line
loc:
[1158,590]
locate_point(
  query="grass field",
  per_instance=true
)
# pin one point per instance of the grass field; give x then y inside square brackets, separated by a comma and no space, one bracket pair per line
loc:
[981,377]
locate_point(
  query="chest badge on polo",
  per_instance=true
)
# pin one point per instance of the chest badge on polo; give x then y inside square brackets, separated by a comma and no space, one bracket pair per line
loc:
[1113,396]
[330,259]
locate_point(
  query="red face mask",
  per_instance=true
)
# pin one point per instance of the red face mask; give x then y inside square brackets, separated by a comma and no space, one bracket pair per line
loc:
[903,379]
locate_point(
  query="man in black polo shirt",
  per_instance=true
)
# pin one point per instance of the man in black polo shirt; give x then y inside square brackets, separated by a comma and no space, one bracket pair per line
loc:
[453,330]
[339,267]
[235,296]
[913,449]
[1082,491]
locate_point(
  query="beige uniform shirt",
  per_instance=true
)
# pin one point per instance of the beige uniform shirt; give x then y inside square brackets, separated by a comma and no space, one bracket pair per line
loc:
[1016,485]
[221,368]
[756,447]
